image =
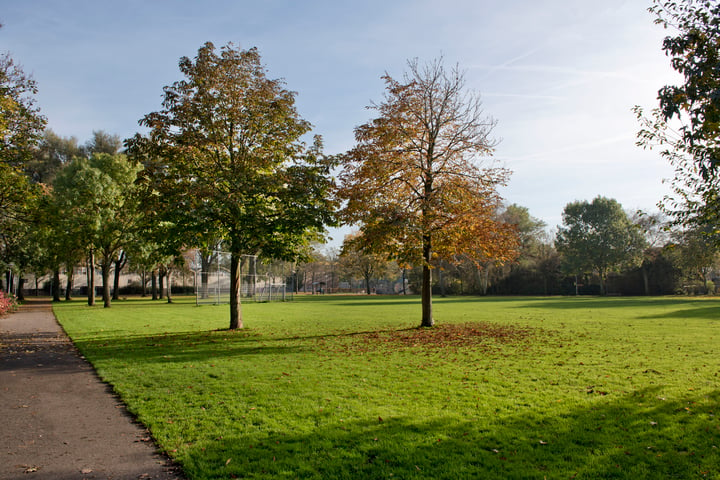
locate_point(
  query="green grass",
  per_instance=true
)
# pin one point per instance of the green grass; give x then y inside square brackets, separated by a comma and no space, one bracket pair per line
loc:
[346,387]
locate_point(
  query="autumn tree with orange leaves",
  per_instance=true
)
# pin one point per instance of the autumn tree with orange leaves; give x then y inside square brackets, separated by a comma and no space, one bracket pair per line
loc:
[418,183]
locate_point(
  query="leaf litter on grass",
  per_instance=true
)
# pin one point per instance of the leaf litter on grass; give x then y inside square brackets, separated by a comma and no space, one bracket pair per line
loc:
[483,336]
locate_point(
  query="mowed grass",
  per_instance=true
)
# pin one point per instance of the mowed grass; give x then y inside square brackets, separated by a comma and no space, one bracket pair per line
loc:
[348,387]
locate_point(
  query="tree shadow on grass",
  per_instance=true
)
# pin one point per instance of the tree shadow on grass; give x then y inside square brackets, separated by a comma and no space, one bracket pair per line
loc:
[632,436]
[584,303]
[180,347]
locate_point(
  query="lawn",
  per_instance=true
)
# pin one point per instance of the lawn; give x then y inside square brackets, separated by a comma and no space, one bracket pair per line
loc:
[348,387]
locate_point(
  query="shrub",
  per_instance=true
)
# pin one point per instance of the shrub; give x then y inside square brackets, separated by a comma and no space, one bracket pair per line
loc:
[8,303]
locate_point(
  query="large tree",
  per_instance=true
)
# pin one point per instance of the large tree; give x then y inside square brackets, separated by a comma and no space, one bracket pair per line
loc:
[416,182]
[686,124]
[227,147]
[98,199]
[598,236]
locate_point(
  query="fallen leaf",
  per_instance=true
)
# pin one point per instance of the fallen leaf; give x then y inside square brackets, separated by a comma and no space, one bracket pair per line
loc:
[228,461]
[543,442]
[85,471]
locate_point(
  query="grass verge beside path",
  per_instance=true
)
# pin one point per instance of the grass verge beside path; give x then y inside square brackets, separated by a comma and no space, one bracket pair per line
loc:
[347,387]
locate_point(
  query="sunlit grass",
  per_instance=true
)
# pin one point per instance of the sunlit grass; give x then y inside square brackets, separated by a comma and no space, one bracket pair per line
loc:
[346,387]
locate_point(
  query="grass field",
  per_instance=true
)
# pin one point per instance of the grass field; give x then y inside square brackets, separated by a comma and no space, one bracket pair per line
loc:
[347,387]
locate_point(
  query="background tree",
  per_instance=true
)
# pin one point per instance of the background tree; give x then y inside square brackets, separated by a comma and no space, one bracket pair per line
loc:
[228,140]
[415,182]
[686,123]
[52,153]
[366,266]
[98,195]
[536,269]
[598,235]
[102,142]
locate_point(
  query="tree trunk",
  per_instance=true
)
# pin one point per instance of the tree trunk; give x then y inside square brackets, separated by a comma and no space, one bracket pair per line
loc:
[646,280]
[105,270]
[70,270]
[56,285]
[169,285]
[143,277]
[161,283]
[153,276]
[426,293]
[236,321]
[367,284]
[205,264]
[119,264]
[20,294]
[91,278]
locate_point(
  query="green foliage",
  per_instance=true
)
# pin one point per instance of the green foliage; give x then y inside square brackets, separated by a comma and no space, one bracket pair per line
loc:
[344,387]
[225,155]
[96,202]
[599,236]
[21,123]
[687,122]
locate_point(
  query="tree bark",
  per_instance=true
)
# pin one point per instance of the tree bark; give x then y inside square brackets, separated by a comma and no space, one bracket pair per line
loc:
[153,276]
[91,278]
[56,285]
[236,321]
[426,293]
[20,294]
[105,271]
[119,264]
[646,280]
[70,270]
[169,285]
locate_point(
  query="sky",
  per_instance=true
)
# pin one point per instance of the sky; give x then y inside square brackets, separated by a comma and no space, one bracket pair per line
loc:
[560,76]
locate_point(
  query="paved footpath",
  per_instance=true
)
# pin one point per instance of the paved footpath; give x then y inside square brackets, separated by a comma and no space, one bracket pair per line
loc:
[57,419]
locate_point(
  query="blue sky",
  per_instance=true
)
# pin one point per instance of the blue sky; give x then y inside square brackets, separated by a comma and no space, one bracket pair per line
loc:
[560,76]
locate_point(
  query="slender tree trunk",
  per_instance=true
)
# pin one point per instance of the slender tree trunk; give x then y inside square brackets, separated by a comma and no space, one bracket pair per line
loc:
[646,280]
[20,294]
[161,283]
[153,287]
[367,283]
[56,285]
[143,277]
[236,321]
[105,271]
[169,285]
[204,275]
[426,293]
[91,277]
[119,264]
[70,271]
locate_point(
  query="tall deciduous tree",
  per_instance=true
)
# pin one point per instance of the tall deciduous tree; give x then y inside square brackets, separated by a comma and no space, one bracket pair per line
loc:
[227,147]
[686,123]
[415,181]
[98,196]
[598,236]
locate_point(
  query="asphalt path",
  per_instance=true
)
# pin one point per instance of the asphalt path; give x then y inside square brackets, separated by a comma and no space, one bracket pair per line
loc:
[57,419]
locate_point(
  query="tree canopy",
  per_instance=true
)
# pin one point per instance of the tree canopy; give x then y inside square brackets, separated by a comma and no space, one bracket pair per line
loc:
[227,151]
[598,235]
[686,123]
[415,182]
